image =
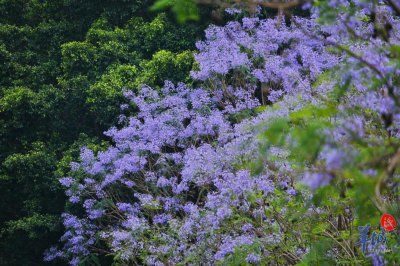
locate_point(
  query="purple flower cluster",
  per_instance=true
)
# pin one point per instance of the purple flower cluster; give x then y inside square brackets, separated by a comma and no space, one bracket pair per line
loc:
[180,159]
[368,69]
[174,186]
[285,58]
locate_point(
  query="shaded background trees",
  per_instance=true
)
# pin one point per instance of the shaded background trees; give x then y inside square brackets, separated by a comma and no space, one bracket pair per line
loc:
[64,65]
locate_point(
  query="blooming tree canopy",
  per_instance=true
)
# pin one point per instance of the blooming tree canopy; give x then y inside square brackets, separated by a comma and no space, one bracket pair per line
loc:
[219,173]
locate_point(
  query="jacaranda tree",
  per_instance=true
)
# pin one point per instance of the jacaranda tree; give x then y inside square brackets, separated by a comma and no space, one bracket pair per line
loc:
[288,143]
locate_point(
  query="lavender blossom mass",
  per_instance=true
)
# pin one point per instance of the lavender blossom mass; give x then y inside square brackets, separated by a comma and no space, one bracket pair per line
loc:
[179,185]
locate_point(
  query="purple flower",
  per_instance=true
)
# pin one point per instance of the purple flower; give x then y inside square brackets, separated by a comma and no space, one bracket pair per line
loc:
[233,11]
[66,181]
[247,227]
[334,159]
[316,180]
[161,218]
[253,258]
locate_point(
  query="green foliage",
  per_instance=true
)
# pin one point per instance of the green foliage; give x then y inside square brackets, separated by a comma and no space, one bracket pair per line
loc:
[30,203]
[105,95]
[305,127]
[111,59]
[166,65]
[353,198]
[64,65]
[315,256]
[184,9]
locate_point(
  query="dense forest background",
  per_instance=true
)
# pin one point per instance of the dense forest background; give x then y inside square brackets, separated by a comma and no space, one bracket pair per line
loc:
[64,65]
